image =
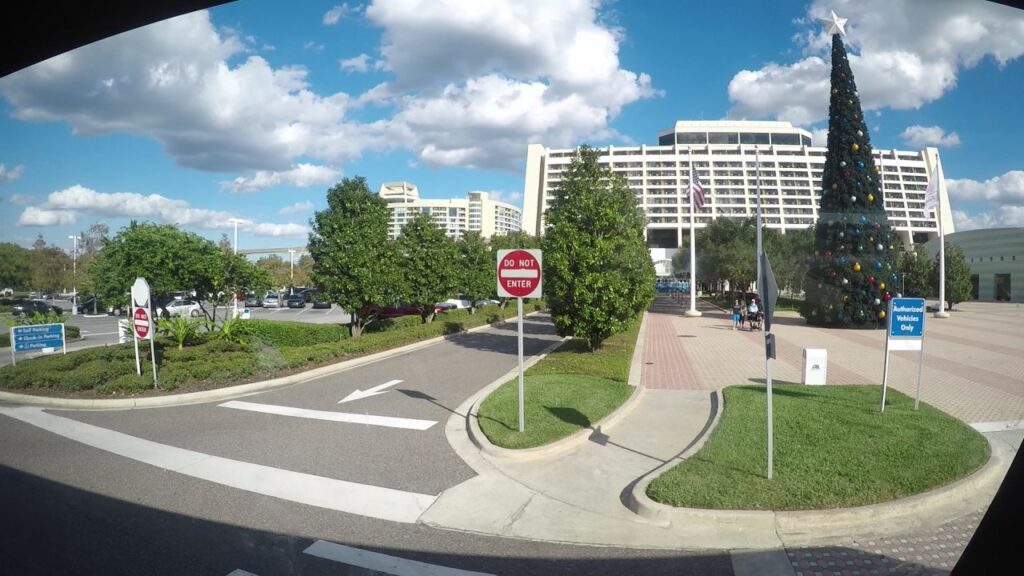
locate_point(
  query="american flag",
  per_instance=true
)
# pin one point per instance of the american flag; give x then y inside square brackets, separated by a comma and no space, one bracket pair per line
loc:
[696,190]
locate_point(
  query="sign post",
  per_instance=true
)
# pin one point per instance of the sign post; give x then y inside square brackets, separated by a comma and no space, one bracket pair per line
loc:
[905,332]
[769,290]
[519,276]
[45,337]
[144,324]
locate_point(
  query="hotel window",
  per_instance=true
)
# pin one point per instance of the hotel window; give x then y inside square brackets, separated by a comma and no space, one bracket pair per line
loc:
[753,138]
[688,138]
[722,138]
[786,139]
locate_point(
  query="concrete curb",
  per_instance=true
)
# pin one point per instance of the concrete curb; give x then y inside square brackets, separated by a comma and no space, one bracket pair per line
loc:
[232,391]
[816,527]
[478,438]
[637,499]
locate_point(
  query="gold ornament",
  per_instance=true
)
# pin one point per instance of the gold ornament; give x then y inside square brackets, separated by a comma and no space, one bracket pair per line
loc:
[877,169]
[881,286]
[856,266]
[855,147]
[871,197]
[846,298]
[881,314]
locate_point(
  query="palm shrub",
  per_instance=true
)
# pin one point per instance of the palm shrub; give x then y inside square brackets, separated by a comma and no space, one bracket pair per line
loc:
[180,328]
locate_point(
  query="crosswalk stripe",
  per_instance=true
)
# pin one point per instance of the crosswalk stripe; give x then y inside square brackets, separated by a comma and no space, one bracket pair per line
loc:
[340,495]
[389,421]
[382,562]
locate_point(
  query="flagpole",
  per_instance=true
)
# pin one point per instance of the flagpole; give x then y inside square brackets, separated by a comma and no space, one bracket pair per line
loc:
[757,162]
[692,312]
[942,243]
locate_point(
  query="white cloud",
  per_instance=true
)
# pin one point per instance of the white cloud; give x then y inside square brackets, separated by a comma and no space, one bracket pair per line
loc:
[903,55]
[356,63]
[1001,217]
[10,175]
[332,16]
[1005,189]
[64,206]
[482,80]
[20,199]
[819,136]
[296,208]
[473,84]
[922,136]
[33,216]
[301,175]
[310,45]
[513,198]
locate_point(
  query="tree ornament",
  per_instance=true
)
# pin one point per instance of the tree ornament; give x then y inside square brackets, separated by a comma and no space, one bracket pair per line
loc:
[834,185]
[877,301]
[842,163]
[835,91]
[881,314]
[881,285]
[856,266]
[878,265]
[853,198]
[845,281]
[860,134]
[855,147]
[879,247]
[846,297]
[863,219]
[833,274]
[850,102]
[828,253]
[871,197]
[887,297]
[860,165]
[841,234]
[871,279]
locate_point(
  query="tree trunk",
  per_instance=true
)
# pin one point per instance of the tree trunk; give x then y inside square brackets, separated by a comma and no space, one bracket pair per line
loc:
[428,317]
[472,310]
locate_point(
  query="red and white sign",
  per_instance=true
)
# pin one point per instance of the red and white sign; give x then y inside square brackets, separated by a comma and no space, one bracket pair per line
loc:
[519,273]
[141,323]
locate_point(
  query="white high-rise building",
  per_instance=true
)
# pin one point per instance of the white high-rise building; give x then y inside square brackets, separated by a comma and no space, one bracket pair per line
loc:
[725,155]
[475,212]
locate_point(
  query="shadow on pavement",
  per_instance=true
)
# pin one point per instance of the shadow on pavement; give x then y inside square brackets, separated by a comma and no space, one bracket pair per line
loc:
[54,528]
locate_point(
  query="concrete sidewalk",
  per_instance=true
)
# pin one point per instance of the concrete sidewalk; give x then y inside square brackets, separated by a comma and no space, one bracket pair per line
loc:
[589,489]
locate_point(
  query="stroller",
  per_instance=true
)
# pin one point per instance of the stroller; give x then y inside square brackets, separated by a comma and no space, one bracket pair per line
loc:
[755,319]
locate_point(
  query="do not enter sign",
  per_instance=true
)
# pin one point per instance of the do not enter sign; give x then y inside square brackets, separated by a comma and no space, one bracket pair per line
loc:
[142,326]
[519,273]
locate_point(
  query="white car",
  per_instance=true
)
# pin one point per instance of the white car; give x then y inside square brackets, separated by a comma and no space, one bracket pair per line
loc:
[183,308]
[462,301]
[271,300]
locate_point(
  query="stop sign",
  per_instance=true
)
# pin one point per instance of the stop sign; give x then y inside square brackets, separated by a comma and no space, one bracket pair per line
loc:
[141,323]
[519,273]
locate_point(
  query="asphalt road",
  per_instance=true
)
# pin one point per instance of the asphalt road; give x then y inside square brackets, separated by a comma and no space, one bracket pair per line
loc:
[70,507]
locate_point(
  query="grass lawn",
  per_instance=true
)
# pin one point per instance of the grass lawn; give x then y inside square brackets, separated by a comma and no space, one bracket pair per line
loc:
[567,391]
[833,448]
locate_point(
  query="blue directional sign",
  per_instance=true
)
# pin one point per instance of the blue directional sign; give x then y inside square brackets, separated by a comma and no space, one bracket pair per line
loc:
[37,337]
[906,318]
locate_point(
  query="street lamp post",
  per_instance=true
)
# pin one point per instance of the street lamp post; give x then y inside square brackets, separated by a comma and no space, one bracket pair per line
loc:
[291,262]
[74,275]
[234,291]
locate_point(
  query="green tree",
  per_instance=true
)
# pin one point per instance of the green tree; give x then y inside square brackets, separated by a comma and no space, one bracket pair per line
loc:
[51,268]
[727,252]
[169,259]
[958,275]
[428,264]
[276,269]
[476,268]
[15,267]
[353,259]
[788,255]
[854,243]
[915,272]
[598,274]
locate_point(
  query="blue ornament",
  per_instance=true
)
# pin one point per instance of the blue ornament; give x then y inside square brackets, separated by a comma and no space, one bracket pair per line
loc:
[863,219]
[860,165]
[842,259]
[856,231]
[893,277]
[878,265]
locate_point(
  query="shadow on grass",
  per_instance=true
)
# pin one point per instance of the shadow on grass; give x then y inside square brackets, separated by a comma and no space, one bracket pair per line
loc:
[569,416]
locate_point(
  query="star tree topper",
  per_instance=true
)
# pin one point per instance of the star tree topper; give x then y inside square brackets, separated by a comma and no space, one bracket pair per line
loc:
[835,24]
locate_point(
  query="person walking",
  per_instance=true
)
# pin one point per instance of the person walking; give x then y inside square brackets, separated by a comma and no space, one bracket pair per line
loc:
[737,313]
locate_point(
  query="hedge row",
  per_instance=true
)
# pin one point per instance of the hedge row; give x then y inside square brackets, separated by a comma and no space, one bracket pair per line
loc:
[271,349]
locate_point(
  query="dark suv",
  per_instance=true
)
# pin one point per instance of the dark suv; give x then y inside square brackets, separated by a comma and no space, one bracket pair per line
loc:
[29,307]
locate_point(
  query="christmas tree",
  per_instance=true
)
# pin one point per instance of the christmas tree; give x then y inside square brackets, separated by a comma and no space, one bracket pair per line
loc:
[852,271]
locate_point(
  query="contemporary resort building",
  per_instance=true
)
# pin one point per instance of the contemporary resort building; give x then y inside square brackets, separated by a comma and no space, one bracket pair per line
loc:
[996,259]
[726,155]
[456,216]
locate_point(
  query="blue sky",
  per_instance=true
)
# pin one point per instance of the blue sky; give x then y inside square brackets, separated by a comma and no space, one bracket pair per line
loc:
[253,109]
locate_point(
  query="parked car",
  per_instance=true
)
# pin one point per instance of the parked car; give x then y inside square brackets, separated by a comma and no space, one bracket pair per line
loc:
[318,300]
[271,300]
[181,308]
[297,301]
[94,305]
[252,300]
[29,307]
[462,301]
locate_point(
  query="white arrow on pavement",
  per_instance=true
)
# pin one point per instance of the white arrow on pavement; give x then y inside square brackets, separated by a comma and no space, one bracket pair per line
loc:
[359,394]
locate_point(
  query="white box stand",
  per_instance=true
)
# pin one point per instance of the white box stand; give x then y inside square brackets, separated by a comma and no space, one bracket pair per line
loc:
[815,366]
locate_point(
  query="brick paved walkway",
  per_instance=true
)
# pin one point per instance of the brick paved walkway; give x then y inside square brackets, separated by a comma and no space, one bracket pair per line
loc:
[973,369]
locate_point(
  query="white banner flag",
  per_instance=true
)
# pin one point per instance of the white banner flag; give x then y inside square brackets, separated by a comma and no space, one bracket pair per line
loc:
[931,194]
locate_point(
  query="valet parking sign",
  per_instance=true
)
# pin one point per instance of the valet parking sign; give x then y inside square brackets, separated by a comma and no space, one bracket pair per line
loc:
[905,332]
[519,276]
